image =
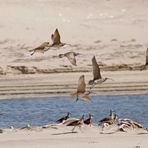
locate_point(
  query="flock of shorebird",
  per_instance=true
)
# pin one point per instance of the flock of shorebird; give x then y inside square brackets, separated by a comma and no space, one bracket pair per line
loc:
[112,118]
[108,124]
[71,56]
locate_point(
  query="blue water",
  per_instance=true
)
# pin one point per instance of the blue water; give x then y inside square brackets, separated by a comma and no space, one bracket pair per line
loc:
[19,112]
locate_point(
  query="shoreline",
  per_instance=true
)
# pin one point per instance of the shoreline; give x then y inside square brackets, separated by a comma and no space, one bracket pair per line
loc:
[63,137]
[24,69]
[64,84]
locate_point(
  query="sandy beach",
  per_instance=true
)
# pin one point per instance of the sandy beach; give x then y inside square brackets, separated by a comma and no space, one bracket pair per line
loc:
[63,137]
[64,84]
[112,30]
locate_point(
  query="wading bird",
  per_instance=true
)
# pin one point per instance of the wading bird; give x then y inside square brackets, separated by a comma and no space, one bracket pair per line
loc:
[77,123]
[88,121]
[64,118]
[109,120]
[127,124]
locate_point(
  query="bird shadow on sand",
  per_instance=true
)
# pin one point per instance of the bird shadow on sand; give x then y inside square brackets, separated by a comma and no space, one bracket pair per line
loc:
[64,133]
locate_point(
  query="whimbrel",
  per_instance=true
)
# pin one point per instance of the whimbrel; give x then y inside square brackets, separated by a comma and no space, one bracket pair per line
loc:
[70,56]
[63,119]
[56,39]
[81,89]
[97,78]
[77,123]
[40,48]
[88,121]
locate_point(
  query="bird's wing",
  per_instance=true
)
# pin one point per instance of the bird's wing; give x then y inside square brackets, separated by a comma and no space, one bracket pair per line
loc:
[81,85]
[71,58]
[59,120]
[56,37]
[70,120]
[42,46]
[96,69]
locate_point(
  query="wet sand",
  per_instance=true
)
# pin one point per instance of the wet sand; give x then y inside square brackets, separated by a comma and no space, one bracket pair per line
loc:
[64,84]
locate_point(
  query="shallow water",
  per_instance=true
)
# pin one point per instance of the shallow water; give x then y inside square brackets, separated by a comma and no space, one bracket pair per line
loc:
[19,112]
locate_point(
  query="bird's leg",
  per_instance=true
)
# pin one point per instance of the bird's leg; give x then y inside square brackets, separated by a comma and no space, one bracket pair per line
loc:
[90,123]
[93,85]
[73,129]
[77,97]
[103,126]
[80,128]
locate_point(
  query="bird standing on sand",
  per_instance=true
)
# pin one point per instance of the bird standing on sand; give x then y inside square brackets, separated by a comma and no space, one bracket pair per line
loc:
[56,39]
[63,119]
[77,123]
[81,89]
[28,127]
[40,48]
[88,121]
[97,78]
[70,56]
[126,124]
[109,120]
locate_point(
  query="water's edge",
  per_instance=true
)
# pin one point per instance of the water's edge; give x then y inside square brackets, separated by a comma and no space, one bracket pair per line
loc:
[39,111]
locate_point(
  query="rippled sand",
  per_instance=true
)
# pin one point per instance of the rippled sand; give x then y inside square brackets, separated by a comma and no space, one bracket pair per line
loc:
[60,136]
[45,85]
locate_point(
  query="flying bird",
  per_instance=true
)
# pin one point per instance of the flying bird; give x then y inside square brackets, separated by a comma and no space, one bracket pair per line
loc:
[97,78]
[56,39]
[71,56]
[63,119]
[81,89]
[41,48]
